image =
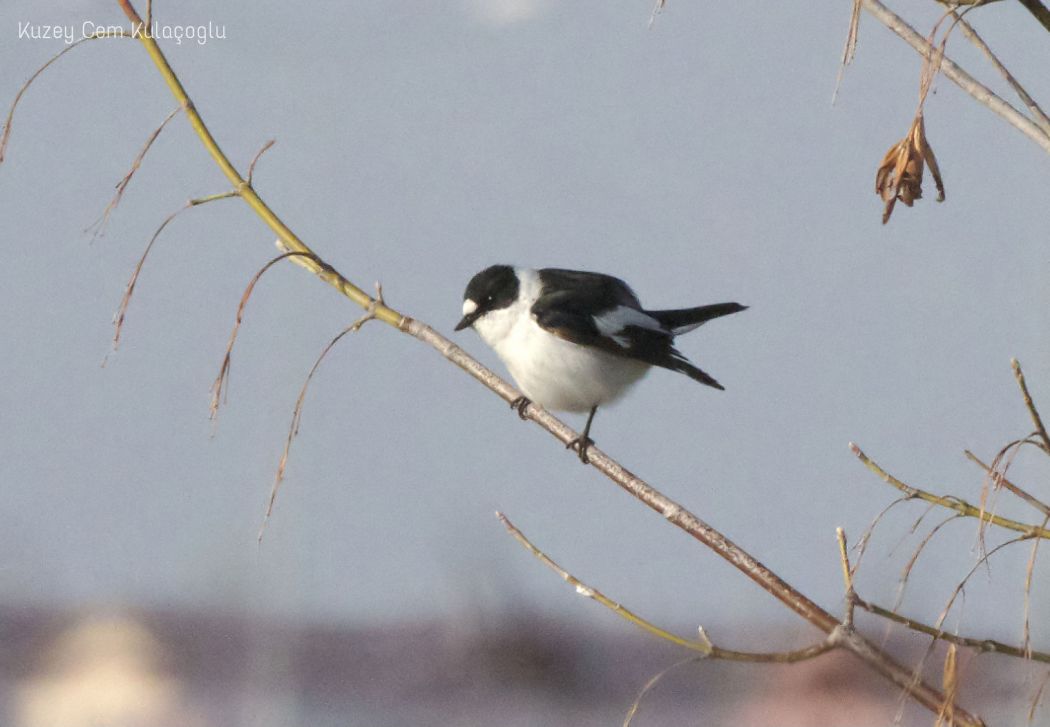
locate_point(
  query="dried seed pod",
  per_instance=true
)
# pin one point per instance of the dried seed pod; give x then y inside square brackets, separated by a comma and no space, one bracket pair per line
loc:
[899,176]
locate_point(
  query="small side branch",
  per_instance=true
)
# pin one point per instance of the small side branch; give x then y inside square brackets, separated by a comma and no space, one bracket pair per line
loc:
[950,501]
[99,225]
[297,412]
[703,645]
[1032,411]
[982,645]
[6,133]
[1037,113]
[221,384]
[981,93]
[999,480]
[129,289]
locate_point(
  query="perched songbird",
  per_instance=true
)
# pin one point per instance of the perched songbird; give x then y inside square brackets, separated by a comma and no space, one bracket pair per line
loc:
[574,341]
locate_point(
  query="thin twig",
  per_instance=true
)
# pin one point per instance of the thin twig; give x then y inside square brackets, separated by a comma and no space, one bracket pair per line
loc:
[652,683]
[981,645]
[847,579]
[129,289]
[910,565]
[930,507]
[861,546]
[221,384]
[297,412]
[98,227]
[850,49]
[949,501]
[961,586]
[1037,113]
[981,93]
[1030,404]
[703,646]
[1038,696]
[999,480]
[247,193]
[6,134]
[255,159]
[950,682]
[658,7]
[1027,629]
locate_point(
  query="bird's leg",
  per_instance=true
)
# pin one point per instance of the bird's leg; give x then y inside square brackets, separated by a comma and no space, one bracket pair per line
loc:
[584,441]
[520,404]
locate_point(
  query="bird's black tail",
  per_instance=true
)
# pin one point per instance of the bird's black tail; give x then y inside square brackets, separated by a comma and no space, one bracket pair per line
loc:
[686,319]
[680,364]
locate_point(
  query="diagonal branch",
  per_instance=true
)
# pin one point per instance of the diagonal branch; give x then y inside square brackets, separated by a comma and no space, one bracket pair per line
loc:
[981,93]
[925,694]
[981,645]
[999,480]
[99,225]
[6,133]
[1039,11]
[703,645]
[1037,113]
[950,501]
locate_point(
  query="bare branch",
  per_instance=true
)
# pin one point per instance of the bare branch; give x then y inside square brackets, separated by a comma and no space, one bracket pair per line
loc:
[255,159]
[704,646]
[221,384]
[1032,411]
[981,93]
[6,134]
[861,546]
[1039,11]
[1038,696]
[850,49]
[980,645]
[950,501]
[906,572]
[950,682]
[976,566]
[652,683]
[999,480]
[129,289]
[99,225]
[1030,569]
[1037,113]
[297,412]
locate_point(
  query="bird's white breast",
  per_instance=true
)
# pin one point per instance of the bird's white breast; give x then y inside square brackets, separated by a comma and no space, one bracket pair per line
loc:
[553,372]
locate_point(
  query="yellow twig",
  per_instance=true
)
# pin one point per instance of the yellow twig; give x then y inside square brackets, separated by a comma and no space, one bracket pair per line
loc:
[704,645]
[950,501]
[248,194]
[25,86]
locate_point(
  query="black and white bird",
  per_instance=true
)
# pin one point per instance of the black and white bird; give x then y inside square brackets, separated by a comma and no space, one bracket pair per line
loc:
[574,341]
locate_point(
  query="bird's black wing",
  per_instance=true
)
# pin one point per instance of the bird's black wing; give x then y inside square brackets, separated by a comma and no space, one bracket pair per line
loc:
[571,300]
[599,292]
[590,309]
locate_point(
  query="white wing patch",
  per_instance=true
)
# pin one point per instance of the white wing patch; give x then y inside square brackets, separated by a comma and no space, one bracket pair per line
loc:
[612,323]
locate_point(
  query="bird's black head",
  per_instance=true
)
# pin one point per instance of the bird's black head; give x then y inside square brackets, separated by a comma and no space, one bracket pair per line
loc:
[491,289]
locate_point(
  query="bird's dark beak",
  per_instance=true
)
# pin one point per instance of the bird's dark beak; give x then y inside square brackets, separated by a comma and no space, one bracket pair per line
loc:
[467,321]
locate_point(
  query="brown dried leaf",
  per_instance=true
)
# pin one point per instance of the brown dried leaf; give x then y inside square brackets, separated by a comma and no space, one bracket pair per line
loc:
[899,176]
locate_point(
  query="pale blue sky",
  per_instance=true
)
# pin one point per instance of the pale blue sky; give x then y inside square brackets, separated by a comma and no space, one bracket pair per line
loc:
[699,159]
